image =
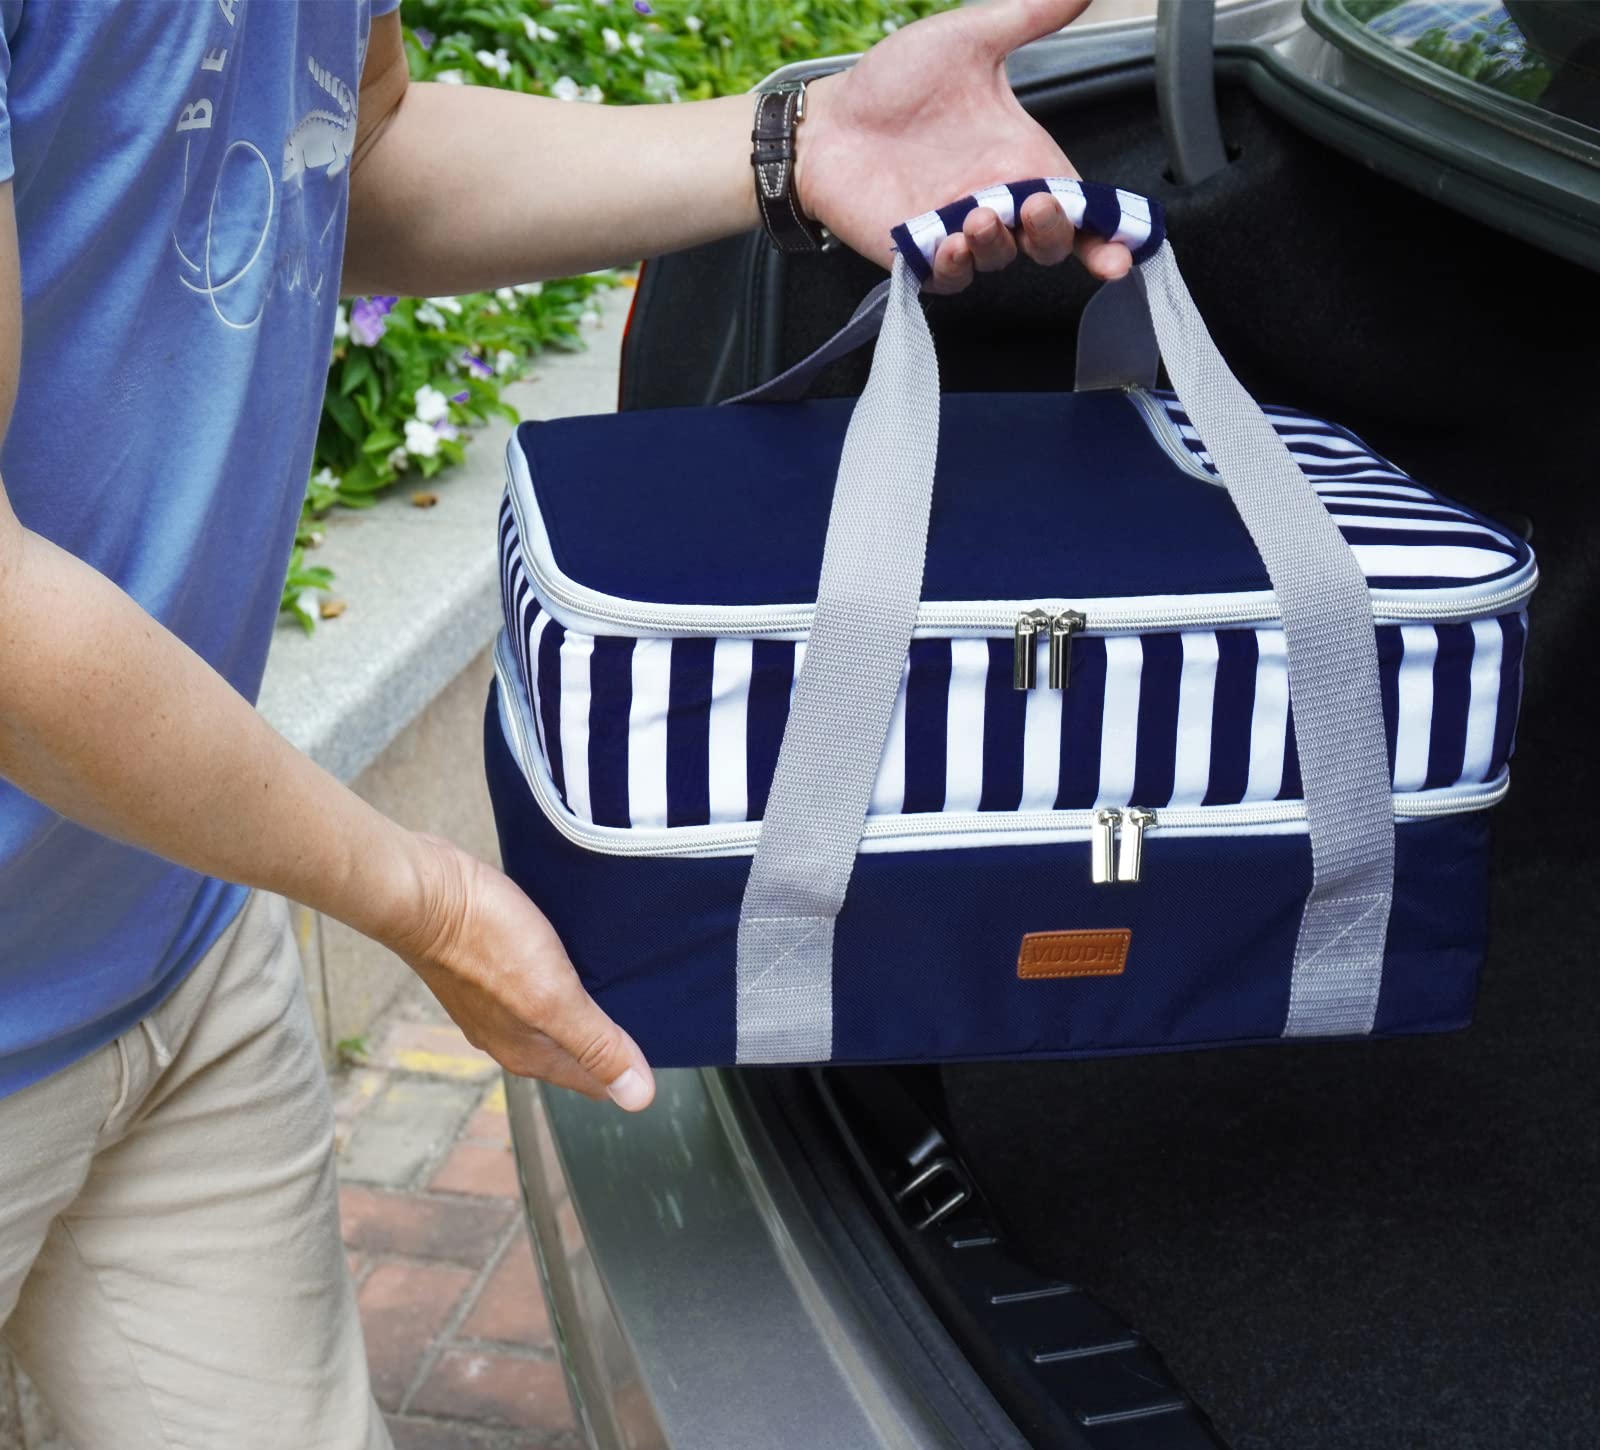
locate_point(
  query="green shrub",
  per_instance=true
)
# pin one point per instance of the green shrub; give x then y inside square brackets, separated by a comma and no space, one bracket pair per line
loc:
[409,378]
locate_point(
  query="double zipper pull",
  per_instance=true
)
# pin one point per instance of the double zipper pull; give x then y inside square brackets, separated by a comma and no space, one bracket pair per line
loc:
[1120,835]
[1066,624]
[1130,848]
[1024,658]
[1102,843]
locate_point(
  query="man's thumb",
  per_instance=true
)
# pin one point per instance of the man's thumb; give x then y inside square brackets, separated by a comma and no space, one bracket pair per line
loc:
[1008,24]
[601,1048]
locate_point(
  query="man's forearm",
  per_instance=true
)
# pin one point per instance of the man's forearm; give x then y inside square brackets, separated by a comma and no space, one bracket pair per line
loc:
[111,720]
[466,188]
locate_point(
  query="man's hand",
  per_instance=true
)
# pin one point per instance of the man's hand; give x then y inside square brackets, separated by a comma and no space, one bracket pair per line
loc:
[494,962]
[927,116]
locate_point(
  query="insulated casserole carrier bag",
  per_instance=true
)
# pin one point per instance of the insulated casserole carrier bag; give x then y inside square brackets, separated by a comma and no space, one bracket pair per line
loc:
[1004,725]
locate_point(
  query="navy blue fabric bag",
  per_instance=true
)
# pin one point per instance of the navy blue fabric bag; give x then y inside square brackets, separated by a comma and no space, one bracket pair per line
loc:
[984,726]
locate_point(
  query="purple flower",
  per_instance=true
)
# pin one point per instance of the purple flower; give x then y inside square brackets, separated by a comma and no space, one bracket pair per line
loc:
[460,397]
[446,429]
[643,7]
[367,322]
[477,364]
[424,37]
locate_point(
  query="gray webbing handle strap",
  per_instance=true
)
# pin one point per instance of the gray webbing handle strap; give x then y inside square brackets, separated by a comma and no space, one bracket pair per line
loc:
[866,609]
[792,382]
[1116,347]
[867,602]
[1333,673]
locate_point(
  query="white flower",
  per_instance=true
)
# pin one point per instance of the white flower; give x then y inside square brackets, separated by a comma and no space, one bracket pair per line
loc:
[497,61]
[693,23]
[589,317]
[505,362]
[446,304]
[506,295]
[530,27]
[726,43]
[889,27]
[451,78]
[341,324]
[635,42]
[430,315]
[546,33]
[565,89]
[528,289]
[661,85]
[421,439]
[604,4]
[432,405]
[399,460]
[613,41]
[325,478]
[593,94]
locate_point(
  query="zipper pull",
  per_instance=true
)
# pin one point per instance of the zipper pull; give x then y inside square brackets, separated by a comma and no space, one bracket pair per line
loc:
[1102,842]
[1130,851]
[1066,624]
[1024,658]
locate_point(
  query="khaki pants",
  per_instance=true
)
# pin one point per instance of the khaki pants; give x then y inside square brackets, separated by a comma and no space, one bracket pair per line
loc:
[171,1273]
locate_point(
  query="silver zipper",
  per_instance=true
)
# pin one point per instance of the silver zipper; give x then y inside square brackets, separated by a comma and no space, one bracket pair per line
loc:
[1130,853]
[1102,842]
[1024,655]
[1164,432]
[1066,624]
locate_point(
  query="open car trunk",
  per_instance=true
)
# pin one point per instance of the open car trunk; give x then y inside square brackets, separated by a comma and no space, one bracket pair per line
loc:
[1359,1244]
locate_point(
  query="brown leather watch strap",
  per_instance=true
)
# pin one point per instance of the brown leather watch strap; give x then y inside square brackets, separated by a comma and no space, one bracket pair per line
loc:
[778,112]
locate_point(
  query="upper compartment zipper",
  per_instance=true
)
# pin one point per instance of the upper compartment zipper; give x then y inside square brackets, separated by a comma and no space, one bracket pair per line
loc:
[590,611]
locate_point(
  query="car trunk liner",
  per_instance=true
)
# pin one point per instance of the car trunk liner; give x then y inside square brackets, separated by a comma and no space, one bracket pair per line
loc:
[1374,1244]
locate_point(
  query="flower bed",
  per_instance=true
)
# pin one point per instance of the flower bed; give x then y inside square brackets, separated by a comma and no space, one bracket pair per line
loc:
[409,378]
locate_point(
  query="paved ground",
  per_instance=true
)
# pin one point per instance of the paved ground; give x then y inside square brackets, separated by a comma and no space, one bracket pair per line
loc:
[457,1333]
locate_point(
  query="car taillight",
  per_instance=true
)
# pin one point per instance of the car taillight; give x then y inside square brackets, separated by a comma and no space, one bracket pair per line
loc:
[627,333]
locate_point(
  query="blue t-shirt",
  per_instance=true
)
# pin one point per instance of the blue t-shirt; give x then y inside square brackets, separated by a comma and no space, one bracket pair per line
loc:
[181,173]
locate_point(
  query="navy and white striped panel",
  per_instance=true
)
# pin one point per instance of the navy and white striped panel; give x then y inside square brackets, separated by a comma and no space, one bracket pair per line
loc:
[1105,211]
[680,732]
[1404,536]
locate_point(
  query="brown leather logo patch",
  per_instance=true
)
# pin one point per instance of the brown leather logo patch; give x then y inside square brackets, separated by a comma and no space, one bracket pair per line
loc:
[1074,953]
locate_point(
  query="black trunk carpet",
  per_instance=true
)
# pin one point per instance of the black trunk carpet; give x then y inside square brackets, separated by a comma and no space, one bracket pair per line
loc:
[1389,1244]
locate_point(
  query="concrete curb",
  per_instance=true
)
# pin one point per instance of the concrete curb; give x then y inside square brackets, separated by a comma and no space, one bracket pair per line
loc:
[422,585]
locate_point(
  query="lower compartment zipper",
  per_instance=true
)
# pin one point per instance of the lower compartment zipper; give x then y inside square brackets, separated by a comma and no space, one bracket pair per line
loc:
[1116,836]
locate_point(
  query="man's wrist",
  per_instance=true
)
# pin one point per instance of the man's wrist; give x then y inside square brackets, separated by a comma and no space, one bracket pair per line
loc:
[782,119]
[819,102]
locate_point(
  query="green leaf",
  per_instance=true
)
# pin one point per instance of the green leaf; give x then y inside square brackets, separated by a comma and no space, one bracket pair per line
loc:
[385,440]
[345,417]
[357,369]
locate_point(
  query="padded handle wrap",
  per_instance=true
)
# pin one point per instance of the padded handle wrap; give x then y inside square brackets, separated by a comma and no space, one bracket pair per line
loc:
[1091,206]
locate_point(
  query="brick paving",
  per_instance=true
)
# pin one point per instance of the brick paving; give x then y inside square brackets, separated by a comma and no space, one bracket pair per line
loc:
[458,1336]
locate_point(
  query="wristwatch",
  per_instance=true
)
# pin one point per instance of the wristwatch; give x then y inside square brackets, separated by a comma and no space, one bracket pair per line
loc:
[779,110]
